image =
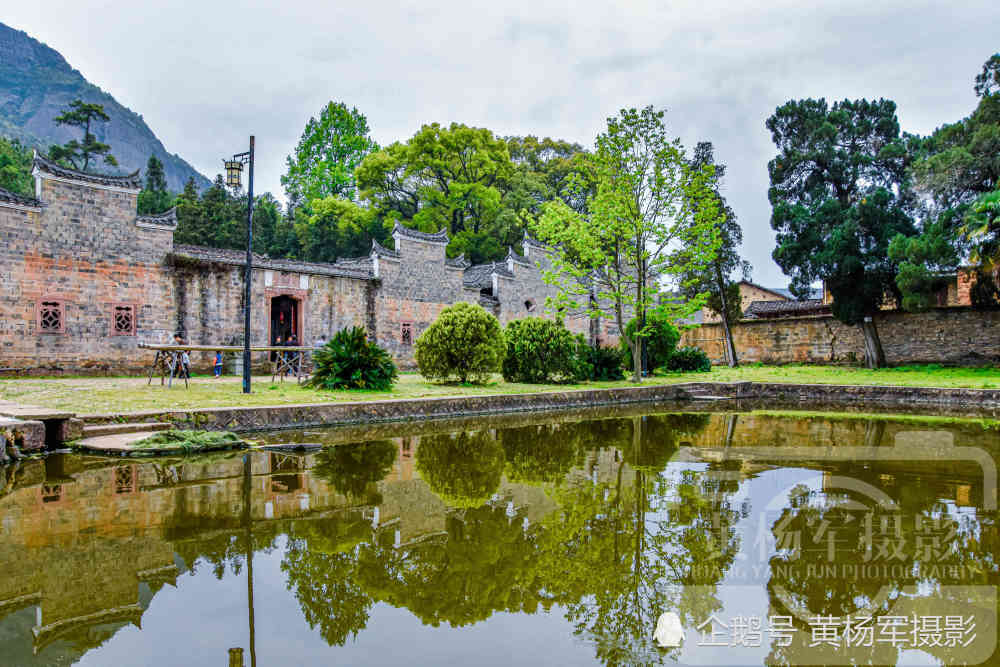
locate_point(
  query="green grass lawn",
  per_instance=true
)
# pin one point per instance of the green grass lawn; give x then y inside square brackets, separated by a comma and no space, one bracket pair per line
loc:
[114,395]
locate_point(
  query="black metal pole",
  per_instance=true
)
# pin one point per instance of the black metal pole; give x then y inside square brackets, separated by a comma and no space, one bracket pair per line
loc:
[248,279]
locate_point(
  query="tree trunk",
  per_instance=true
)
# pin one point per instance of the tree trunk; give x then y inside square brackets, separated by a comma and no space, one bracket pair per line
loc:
[727,332]
[636,344]
[874,355]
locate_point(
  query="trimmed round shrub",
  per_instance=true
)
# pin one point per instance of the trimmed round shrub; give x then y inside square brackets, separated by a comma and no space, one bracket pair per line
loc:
[604,363]
[350,361]
[660,343]
[540,350]
[465,343]
[688,359]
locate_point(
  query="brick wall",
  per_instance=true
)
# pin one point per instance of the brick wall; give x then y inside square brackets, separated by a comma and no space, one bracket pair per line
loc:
[941,335]
[83,250]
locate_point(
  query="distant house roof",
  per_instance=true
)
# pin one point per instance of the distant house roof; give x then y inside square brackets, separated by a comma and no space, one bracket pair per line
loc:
[776,309]
[459,262]
[440,236]
[8,197]
[520,259]
[238,258]
[46,166]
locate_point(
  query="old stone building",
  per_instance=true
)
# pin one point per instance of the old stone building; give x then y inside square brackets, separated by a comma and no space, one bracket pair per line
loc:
[85,279]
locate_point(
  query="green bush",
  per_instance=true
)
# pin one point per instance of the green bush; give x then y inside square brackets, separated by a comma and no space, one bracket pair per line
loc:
[660,343]
[540,350]
[464,343]
[350,361]
[689,359]
[604,363]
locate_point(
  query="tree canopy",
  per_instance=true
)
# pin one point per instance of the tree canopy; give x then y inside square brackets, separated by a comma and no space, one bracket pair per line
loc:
[80,153]
[154,197]
[330,149]
[837,187]
[652,218]
[15,167]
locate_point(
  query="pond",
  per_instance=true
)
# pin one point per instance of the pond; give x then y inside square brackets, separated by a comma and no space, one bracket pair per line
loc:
[559,539]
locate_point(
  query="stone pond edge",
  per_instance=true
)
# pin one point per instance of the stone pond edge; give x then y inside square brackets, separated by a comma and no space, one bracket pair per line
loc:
[272,417]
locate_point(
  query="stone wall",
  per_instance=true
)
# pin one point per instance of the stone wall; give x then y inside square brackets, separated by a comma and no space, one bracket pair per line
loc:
[942,335]
[83,249]
[209,306]
[413,290]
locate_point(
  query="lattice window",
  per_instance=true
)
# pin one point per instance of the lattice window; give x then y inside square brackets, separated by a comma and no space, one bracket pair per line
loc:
[51,493]
[125,479]
[122,320]
[406,332]
[51,317]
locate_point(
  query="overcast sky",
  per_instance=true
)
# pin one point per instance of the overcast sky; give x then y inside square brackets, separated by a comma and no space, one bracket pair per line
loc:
[205,75]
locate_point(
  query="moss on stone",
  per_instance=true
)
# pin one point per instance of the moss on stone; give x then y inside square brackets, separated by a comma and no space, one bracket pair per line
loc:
[190,441]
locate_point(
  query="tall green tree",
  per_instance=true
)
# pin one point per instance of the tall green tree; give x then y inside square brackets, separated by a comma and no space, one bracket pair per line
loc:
[653,218]
[338,227]
[452,178]
[15,167]
[80,153]
[721,279]
[154,197]
[330,149]
[953,168]
[837,187]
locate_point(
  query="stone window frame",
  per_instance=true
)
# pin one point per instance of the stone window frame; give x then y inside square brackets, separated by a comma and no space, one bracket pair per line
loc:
[60,303]
[113,328]
[406,333]
[529,305]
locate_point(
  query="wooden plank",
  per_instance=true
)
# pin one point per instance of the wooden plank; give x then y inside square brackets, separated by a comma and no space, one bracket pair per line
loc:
[223,348]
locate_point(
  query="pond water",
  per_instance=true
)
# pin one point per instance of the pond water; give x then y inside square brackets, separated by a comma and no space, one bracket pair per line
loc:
[776,539]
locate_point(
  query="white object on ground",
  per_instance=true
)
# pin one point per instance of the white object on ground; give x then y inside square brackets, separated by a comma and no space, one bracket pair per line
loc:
[669,631]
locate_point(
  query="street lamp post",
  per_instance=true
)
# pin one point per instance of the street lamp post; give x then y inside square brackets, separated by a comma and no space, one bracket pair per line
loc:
[234,168]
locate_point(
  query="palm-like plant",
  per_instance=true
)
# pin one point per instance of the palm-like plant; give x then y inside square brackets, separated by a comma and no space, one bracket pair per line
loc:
[350,361]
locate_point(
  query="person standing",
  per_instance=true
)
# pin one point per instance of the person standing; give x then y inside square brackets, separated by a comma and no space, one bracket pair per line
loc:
[218,363]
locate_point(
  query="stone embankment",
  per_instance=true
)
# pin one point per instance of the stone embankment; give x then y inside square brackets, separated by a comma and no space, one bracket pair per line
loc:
[371,412]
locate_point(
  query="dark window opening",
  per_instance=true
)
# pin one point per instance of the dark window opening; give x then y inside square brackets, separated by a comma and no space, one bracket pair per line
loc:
[125,479]
[529,305]
[406,332]
[51,493]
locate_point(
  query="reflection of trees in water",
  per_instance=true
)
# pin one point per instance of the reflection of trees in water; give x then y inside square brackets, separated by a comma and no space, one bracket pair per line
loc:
[822,536]
[544,453]
[322,569]
[353,469]
[622,554]
[463,469]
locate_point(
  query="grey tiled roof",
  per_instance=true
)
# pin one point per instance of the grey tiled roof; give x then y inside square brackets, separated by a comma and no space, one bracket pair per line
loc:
[459,262]
[238,258]
[480,275]
[533,242]
[8,197]
[167,219]
[520,259]
[437,237]
[363,263]
[773,309]
[381,251]
[46,166]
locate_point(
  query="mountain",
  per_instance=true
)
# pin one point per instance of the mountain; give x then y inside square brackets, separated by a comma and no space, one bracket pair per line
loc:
[36,85]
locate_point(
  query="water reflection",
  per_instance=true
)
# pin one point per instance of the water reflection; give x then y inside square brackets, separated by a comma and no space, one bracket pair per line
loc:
[603,524]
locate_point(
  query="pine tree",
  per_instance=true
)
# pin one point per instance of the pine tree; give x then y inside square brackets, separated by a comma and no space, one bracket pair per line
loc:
[79,154]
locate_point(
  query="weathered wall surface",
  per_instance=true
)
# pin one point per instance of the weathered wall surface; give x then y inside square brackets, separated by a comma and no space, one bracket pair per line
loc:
[941,335]
[85,250]
[414,288]
[209,305]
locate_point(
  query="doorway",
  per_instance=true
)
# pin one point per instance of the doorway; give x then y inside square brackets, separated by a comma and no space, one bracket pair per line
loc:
[284,319]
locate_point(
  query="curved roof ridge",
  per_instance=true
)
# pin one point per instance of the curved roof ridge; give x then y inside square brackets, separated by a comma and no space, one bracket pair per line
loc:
[47,166]
[381,251]
[8,197]
[440,236]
